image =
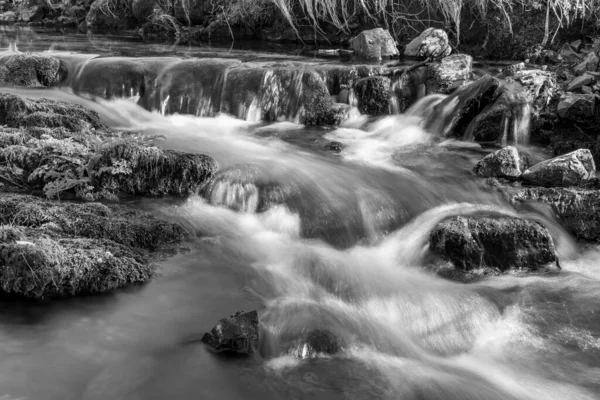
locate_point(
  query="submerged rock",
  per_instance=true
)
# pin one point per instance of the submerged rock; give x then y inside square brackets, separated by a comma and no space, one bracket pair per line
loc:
[374,44]
[578,209]
[503,163]
[496,243]
[28,70]
[572,169]
[576,107]
[432,43]
[237,334]
[314,344]
[449,73]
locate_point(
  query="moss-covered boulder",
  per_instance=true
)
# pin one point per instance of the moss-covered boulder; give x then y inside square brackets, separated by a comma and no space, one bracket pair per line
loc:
[493,243]
[373,95]
[28,70]
[55,249]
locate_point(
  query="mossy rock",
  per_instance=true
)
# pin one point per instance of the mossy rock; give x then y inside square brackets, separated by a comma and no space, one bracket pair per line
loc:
[28,70]
[373,95]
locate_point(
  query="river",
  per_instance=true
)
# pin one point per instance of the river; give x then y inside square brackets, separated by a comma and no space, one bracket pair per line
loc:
[312,239]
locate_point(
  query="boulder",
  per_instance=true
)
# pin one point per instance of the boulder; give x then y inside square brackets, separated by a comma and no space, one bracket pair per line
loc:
[374,44]
[143,9]
[450,72]
[493,243]
[572,169]
[314,344]
[579,82]
[576,107]
[590,63]
[432,43]
[28,70]
[373,95]
[578,209]
[237,334]
[8,16]
[503,163]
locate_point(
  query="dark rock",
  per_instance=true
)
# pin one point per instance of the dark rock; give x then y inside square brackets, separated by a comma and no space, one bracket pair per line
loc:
[581,81]
[540,85]
[373,95]
[28,70]
[578,209]
[334,146]
[572,169]
[315,343]
[432,43]
[236,334]
[568,54]
[503,163]
[450,71]
[502,243]
[576,107]
[374,44]
[590,63]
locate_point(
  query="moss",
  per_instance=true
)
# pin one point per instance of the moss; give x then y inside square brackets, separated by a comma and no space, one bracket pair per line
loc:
[373,95]
[318,106]
[28,70]
[131,168]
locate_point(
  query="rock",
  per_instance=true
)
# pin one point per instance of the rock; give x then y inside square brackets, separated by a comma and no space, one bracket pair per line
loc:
[8,16]
[334,146]
[503,163]
[580,82]
[373,95]
[29,70]
[540,85]
[576,107]
[432,43]
[236,334]
[512,69]
[314,344]
[578,209]
[590,63]
[567,53]
[143,9]
[587,90]
[374,44]
[572,169]
[576,45]
[496,243]
[451,71]
[110,15]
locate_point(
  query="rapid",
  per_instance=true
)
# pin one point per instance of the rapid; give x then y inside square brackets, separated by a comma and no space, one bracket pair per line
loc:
[315,239]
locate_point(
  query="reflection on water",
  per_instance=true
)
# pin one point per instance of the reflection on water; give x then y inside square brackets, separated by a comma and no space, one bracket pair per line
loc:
[315,240]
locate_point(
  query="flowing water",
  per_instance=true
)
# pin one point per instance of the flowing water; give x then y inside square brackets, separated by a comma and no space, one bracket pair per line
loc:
[314,240]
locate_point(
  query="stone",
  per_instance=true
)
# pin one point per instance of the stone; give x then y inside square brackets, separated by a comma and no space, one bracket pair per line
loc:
[237,334]
[373,95]
[314,344]
[374,44]
[444,76]
[110,15]
[590,63]
[580,81]
[578,209]
[432,43]
[573,169]
[567,53]
[576,45]
[503,163]
[8,16]
[497,243]
[576,107]
[540,85]
[29,70]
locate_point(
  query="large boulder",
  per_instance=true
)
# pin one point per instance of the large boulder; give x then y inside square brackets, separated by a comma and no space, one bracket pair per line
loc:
[450,72]
[576,107]
[29,70]
[237,334]
[572,169]
[578,209]
[374,44]
[373,95]
[432,43]
[503,163]
[495,243]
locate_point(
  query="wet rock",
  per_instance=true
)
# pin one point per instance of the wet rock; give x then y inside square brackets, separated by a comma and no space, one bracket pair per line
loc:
[578,209]
[572,169]
[334,146]
[373,95]
[540,85]
[503,163]
[432,43]
[501,243]
[374,44]
[314,344]
[237,334]
[110,15]
[317,105]
[590,63]
[29,70]
[450,72]
[576,107]
[580,81]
